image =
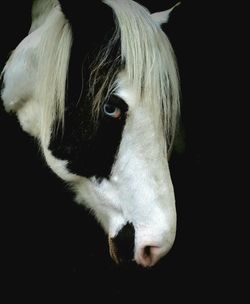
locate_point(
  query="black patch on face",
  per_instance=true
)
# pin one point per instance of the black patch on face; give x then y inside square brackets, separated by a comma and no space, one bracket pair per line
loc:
[90,147]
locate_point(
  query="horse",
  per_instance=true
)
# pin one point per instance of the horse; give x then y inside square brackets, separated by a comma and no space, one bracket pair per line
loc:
[104,114]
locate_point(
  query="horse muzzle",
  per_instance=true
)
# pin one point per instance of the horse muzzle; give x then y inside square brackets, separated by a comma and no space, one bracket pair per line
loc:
[122,248]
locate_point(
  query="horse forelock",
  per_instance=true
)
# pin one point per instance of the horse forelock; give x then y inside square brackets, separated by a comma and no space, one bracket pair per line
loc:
[138,46]
[148,60]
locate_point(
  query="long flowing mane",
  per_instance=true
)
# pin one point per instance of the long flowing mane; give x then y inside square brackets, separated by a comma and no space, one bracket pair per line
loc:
[145,54]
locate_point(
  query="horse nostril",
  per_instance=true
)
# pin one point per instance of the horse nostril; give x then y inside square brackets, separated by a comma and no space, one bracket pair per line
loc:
[149,255]
[122,246]
[147,251]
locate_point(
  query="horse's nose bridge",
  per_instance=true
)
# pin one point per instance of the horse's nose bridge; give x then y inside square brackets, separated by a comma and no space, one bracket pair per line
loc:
[123,243]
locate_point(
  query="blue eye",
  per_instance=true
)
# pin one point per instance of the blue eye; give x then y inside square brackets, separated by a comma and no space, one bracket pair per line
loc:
[112,111]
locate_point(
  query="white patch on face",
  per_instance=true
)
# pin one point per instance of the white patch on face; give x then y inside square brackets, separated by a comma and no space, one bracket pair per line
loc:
[139,189]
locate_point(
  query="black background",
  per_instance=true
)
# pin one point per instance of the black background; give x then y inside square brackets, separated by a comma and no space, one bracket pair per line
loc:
[50,244]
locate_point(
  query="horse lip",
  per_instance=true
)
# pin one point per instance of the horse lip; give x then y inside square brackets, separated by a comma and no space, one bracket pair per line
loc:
[113,251]
[121,245]
[116,255]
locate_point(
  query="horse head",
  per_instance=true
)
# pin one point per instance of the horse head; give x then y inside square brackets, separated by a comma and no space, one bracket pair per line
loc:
[108,130]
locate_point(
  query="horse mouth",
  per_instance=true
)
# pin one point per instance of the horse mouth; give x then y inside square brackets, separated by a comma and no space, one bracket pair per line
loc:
[121,246]
[118,254]
[113,251]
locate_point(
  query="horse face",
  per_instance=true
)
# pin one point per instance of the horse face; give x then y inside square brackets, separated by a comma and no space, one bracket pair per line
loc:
[133,196]
[116,165]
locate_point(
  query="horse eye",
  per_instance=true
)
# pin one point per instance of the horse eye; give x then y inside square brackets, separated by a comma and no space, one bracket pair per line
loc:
[112,111]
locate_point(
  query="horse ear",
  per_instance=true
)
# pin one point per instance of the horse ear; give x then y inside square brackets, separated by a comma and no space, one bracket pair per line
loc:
[163,17]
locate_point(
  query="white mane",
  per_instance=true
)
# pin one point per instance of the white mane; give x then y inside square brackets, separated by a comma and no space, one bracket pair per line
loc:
[40,12]
[145,50]
[53,59]
[149,63]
